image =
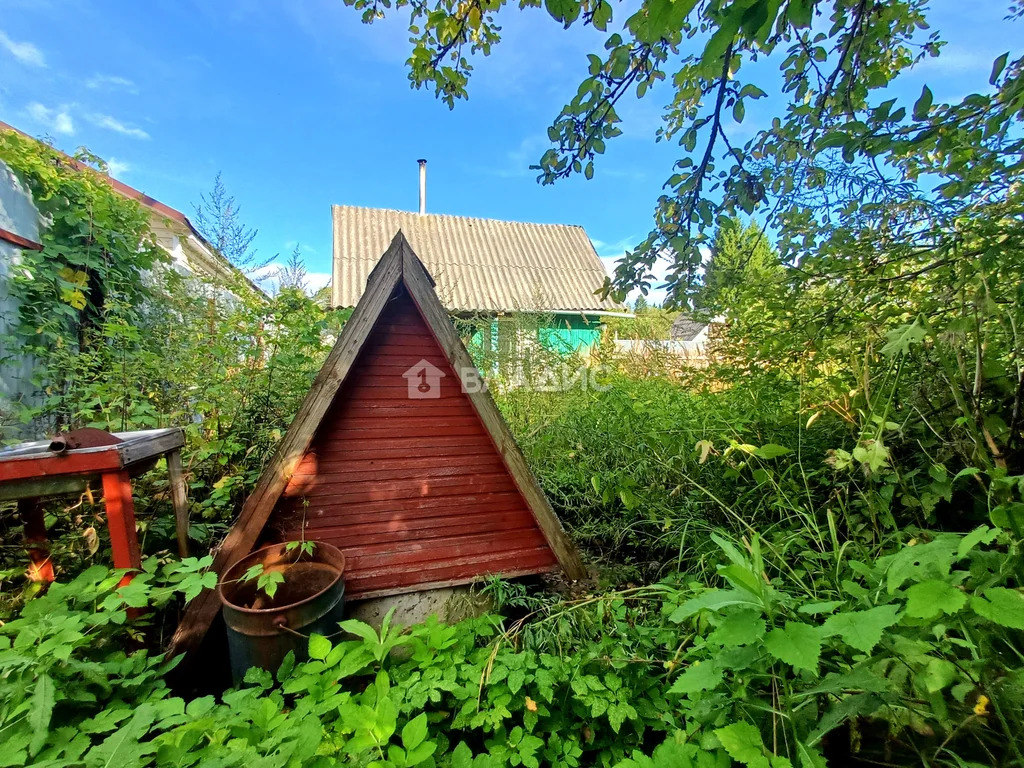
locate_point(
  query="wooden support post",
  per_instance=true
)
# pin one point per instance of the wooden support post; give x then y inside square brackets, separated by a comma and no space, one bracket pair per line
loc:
[176,480]
[117,498]
[40,567]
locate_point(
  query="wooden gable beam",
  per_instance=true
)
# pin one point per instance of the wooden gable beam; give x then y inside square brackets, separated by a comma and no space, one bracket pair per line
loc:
[246,530]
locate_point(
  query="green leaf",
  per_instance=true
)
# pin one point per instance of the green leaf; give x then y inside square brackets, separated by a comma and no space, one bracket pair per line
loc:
[319,647]
[980,535]
[923,104]
[1008,515]
[927,599]
[862,629]
[800,12]
[712,600]
[360,629]
[722,39]
[899,340]
[916,563]
[420,753]
[772,451]
[738,111]
[833,139]
[41,709]
[997,68]
[739,628]
[515,680]
[462,756]
[701,676]
[744,744]
[938,674]
[826,606]
[414,732]
[798,645]
[1001,606]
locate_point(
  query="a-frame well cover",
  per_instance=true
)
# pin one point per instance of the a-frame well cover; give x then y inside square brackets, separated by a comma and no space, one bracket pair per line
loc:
[404,478]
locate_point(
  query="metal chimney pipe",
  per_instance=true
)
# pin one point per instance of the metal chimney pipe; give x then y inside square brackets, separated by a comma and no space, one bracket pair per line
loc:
[423,185]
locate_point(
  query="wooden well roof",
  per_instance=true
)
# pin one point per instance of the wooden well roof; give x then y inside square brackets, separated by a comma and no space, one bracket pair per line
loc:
[418,493]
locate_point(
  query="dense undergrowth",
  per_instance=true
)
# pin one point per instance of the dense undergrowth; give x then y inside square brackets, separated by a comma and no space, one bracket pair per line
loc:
[807,552]
[794,657]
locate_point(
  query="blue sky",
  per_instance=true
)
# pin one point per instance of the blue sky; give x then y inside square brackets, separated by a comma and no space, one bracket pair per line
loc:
[302,106]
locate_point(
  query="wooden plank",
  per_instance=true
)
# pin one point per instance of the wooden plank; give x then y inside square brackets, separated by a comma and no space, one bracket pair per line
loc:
[124,540]
[33,488]
[536,560]
[18,240]
[400,528]
[400,489]
[386,410]
[485,541]
[86,461]
[257,508]
[313,463]
[411,446]
[137,448]
[150,444]
[427,552]
[417,282]
[448,391]
[500,500]
[308,478]
[368,436]
[179,499]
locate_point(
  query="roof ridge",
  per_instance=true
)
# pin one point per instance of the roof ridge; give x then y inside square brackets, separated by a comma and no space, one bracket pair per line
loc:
[457,216]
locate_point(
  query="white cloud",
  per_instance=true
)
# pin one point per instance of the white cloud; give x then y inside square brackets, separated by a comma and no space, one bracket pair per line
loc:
[117,168]
[953,59]
[24,52]
[658,276]
[517,161]
[112,82]
[113,124]
[304,250]
[57,120]
[317,280]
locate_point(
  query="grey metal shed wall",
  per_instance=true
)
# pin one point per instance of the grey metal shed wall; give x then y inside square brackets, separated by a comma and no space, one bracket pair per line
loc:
[19,215]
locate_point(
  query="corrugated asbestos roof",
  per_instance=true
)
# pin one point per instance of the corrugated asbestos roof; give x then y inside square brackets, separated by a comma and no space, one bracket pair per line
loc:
[478,264]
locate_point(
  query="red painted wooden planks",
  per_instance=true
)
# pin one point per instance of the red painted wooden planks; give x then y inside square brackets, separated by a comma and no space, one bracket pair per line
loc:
[412,490]
[79,462]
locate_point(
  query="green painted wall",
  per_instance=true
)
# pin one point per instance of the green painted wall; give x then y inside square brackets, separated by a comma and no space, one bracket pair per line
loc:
[569,333]
[564,334]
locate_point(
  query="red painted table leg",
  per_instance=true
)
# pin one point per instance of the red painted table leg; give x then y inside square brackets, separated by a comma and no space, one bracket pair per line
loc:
[117,497]
[40,566]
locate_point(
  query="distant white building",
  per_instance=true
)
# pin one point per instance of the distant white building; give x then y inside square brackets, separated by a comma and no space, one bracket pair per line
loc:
[190,251]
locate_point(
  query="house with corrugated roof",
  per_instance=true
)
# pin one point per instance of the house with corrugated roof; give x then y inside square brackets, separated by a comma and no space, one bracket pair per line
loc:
[485,269]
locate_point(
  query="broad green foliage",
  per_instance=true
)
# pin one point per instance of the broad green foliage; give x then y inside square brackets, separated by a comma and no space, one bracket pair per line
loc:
[835,139]
[756,672]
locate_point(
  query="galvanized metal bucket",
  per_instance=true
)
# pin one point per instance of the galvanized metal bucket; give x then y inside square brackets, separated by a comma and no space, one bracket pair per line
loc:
[262,630]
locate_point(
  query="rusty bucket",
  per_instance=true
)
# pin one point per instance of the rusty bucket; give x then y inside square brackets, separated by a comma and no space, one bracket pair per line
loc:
[262,630]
